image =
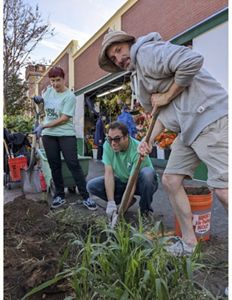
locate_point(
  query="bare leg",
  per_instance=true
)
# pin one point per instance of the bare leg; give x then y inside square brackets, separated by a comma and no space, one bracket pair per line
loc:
[181,206]
[222,195]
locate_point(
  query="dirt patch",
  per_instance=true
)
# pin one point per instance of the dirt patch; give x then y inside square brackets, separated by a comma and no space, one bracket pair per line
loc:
[214,276]
[201,190]
[34,243]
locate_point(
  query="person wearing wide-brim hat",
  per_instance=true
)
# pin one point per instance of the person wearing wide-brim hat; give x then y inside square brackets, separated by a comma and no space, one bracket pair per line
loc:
[109,39]
[171,79]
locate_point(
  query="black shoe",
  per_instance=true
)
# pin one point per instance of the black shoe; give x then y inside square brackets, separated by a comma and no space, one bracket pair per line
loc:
[90,204]
[57,202]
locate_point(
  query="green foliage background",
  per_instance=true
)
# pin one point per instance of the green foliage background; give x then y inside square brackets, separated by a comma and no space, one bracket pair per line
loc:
[18,123]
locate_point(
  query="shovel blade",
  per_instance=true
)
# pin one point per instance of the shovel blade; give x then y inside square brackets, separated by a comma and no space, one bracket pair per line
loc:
[30,181]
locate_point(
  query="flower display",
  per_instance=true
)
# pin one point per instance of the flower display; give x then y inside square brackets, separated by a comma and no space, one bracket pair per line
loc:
[165,138]
[90,142]
[142,121]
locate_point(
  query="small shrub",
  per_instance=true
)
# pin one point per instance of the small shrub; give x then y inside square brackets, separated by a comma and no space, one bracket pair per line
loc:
[18,123]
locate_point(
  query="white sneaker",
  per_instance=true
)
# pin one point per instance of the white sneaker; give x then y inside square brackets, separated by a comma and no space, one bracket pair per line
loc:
[180,248]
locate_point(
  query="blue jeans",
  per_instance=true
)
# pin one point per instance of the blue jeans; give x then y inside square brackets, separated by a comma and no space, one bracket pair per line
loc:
[146,186]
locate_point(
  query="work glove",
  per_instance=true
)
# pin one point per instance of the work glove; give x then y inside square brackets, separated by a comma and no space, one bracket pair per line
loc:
[38,99]
[38,131]
[111,209]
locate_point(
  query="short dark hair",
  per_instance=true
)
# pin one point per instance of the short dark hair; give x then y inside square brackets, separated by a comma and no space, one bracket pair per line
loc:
[56,72]
[119,125]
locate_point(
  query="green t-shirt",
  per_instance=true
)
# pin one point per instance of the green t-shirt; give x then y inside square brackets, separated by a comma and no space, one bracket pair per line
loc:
[124,163]
[55,105]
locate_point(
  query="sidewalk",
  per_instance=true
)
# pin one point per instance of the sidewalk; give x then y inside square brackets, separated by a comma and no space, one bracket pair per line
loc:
[161,205]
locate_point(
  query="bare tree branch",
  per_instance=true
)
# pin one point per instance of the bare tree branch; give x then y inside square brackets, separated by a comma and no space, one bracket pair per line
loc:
[23,29]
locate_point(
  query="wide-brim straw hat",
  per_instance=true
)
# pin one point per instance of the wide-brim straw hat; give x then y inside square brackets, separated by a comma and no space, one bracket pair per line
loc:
[112,37]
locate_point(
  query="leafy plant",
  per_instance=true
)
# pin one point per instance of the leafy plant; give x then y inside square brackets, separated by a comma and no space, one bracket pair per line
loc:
[18,123]
[125,264]
[15,93]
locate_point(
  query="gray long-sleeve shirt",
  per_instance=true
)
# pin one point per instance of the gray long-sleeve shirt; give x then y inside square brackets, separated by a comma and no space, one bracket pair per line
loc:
[158,64]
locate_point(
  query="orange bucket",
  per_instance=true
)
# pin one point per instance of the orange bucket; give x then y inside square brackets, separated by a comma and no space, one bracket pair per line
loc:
[201,206]
[15,165]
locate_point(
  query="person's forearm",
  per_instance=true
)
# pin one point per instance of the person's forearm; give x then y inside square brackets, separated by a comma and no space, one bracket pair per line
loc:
[60,121]
[158,128]
[163,99]
[174,91]
[109,186]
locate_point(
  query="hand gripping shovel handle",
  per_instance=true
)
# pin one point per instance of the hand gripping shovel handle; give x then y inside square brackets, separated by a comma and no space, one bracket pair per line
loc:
[126,196]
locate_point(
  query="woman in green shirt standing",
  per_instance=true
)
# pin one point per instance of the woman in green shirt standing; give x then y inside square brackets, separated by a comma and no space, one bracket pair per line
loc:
[58,136]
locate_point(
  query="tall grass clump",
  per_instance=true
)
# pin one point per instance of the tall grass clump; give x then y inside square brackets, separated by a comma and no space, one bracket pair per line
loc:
[123,263]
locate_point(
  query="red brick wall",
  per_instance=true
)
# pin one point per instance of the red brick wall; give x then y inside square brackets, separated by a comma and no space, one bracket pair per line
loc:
[63,63]
[43,83]
[86,68]
[169,17]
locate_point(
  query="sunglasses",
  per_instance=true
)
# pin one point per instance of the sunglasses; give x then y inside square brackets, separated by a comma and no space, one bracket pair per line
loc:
[116,139]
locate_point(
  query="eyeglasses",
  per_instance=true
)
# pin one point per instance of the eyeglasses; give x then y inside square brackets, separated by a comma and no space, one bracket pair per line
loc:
[116,139]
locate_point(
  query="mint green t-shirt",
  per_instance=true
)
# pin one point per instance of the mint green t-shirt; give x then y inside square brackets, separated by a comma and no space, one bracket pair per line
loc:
[56,104]
[124,163]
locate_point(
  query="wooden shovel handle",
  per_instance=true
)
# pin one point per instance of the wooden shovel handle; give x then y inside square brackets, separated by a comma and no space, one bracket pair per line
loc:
[7,149]
[32,156]
[132,180]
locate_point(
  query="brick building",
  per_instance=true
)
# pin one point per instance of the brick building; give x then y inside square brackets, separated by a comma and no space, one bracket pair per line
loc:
[203,24]
[33,73]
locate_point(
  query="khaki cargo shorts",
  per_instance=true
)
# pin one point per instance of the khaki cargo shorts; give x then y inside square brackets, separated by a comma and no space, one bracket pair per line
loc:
[210,147]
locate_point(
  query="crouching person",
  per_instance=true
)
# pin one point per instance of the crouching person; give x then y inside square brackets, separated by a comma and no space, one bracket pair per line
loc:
[120,157]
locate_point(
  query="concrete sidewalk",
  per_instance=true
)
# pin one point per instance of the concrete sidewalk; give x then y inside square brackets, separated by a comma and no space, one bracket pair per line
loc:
[161,205]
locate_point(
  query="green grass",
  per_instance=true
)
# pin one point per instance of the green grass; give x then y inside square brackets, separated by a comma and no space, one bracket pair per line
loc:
[123,264]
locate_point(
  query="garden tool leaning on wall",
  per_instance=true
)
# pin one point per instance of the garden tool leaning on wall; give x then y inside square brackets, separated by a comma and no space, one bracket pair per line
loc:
[30,176]
[132,180]
[9,154]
